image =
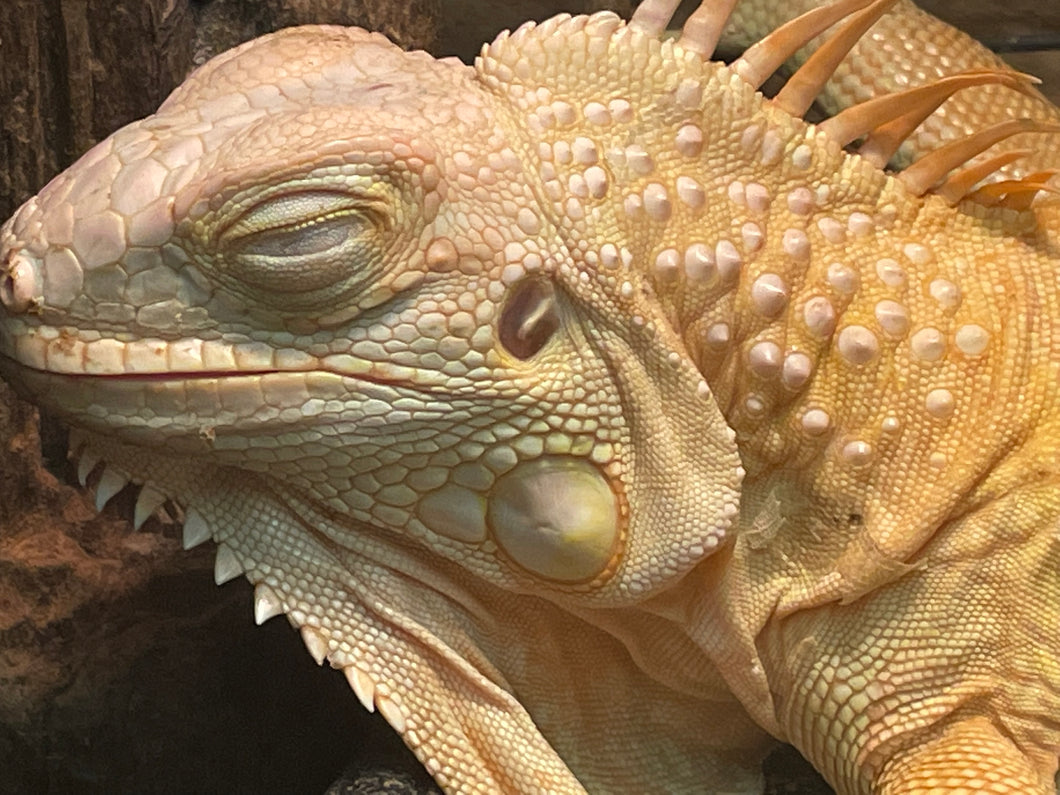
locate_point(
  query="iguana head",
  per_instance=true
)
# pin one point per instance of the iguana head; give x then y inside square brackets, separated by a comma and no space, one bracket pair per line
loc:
[377,323]
[319,231]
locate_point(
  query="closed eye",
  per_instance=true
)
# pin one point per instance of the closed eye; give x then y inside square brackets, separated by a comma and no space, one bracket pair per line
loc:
[316,236]
[289,209]
[301,241]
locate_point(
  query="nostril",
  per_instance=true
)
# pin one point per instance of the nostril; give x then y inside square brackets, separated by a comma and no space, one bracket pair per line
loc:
[18,285]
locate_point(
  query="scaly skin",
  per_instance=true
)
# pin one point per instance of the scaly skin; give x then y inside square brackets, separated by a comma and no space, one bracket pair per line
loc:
[910,47]
[570,402]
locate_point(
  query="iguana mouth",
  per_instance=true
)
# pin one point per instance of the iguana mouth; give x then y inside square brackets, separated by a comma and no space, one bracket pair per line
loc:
[360,371]
[11,363]
[207,375]
[197,410]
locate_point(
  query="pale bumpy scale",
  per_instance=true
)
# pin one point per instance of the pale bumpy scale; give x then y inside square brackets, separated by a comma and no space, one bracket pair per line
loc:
[592,413]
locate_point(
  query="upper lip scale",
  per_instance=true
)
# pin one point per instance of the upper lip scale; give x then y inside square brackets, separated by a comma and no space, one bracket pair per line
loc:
[223,374]
[155,376]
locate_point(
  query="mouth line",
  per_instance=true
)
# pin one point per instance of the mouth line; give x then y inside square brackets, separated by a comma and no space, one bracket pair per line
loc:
[204,376]
[157,375]
[198,375]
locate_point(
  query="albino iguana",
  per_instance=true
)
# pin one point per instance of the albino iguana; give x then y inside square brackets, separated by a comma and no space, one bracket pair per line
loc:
[598,417]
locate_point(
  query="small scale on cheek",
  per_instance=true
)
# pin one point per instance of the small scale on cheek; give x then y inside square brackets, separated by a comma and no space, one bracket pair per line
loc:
[442,255]
[556,517]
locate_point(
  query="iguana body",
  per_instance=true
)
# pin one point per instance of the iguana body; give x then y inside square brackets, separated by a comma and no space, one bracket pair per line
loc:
[591,412]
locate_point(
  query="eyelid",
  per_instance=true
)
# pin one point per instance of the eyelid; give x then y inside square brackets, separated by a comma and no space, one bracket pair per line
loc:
[292,211]
[306,239]
[300,241]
